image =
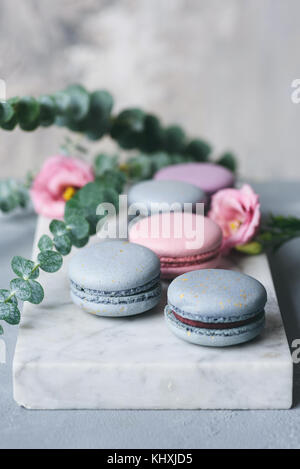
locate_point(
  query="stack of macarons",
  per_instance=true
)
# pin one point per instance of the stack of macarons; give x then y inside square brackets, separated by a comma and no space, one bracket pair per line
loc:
[206,306]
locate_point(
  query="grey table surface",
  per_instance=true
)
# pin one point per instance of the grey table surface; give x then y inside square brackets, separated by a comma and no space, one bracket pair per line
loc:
[20,428]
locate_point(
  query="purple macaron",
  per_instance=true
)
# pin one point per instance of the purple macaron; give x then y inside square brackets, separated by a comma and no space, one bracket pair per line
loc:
[208,176]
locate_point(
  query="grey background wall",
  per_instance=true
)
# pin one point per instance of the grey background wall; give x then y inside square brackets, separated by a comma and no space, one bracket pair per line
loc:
[222,69]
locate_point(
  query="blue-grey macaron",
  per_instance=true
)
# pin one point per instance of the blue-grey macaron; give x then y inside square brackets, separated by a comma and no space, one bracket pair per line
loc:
[115,278]
[216,307]
[169,192]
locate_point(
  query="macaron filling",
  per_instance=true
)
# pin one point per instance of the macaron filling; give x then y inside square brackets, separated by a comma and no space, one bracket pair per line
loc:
[150,290]
[189,260]
[219,325]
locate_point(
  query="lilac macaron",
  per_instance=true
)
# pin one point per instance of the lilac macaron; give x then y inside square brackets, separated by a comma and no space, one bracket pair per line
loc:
[208,176]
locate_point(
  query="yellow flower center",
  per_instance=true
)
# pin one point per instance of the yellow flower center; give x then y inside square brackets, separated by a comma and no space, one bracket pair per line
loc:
[234,225]
[68,193]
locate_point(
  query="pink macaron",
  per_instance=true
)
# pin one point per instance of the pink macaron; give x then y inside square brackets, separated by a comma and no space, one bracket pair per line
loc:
[182,241]
[208,176]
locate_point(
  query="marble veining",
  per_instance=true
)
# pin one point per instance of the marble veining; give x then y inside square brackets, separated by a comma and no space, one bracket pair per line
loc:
[68,359]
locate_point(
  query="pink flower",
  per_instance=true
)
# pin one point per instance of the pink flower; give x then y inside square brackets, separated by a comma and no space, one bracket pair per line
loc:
[58,180]
[237,212]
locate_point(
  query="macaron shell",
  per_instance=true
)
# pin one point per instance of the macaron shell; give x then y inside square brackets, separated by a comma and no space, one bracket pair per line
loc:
[168,244]
[113,265]
[165,191]
[216,295]
[208,176]
[210,337]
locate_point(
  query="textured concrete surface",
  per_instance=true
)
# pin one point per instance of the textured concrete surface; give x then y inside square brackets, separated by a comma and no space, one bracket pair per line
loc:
[20,428]
[221,69]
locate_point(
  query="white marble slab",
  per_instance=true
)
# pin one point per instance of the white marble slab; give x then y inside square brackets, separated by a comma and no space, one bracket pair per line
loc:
[68,359]
[2,351]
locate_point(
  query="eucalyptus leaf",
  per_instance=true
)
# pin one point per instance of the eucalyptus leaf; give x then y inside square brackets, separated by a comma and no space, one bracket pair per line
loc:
[62,102]
[78,226]
[79,243]
[47,110]
[114,179]
[85,202]
[45,243]
[174,139]
[6,112]
[1,330]
[159,160]
[153,135]
[140,167]
[11,123]
[199,149]
[4,294]
[24,268]
[97,122]
[21,288]
[128,128]
[228,160]
[28,110]
[37,292]
[63,244]
[50,261]
[58,228]
[79,103]
[104,162]
[10,313]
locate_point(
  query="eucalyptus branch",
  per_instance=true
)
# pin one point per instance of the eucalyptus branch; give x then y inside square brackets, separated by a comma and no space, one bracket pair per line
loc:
[91,115]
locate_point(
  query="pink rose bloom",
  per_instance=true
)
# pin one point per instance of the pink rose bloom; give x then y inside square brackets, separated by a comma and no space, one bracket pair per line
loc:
[58,180]
[237,212]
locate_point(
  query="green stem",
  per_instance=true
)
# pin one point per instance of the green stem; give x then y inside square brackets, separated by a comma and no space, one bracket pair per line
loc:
[10,297]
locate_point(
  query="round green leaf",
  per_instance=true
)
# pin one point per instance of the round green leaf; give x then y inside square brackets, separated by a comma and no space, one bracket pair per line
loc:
[24,268]
[21,288]
[114,179]
[78,226]
[159,160]
[128,128]
[11,123]
[153,135]
[1,330]
[28,110]
[47,110]
[62,102]
[10,313]
[104,162]
[58,228]
[63,244]
[4,294]
[228,160]
[198,149]
[97,122]
[79,243]
[50,261]
[80,102]
[174,139]
[37,292]
[6,112]
[140,167]
[85,202]
[45,243]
